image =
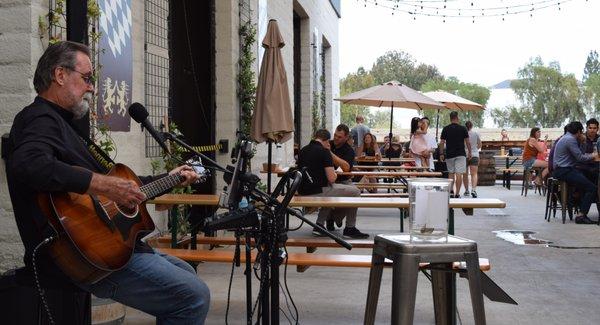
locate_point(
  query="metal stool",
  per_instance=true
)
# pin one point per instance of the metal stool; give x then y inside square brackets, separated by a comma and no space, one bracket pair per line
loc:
[406,256]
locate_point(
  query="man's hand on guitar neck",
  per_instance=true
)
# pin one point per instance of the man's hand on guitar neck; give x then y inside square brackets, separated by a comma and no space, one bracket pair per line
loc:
[122,191]
[187,172]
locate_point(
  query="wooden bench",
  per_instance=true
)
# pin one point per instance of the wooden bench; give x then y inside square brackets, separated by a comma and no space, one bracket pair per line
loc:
[301,260]
[380,185]
[383,194]
[311,243]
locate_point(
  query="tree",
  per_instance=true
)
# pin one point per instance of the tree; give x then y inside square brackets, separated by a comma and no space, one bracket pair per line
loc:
[472,92]
[380,120]
[591,95]
[550,96]
[592,65]
[354,82]
[513,117]
[400,66]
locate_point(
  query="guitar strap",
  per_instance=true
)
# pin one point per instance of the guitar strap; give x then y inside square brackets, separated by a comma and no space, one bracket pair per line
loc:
[99,155]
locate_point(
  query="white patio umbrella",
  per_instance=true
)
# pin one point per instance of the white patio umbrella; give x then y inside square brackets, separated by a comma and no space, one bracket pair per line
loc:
[391,94]
[452,102]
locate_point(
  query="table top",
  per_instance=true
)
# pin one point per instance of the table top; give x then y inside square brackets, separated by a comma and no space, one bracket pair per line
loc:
[340,202]
[389,167]
[391,174]
[507,156]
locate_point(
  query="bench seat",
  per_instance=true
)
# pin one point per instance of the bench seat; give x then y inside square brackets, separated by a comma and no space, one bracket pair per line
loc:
[298,259]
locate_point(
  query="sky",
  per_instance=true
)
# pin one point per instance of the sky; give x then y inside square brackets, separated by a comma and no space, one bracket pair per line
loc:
[485,52]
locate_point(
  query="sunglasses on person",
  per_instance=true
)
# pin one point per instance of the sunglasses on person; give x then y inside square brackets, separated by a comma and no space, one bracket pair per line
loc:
[89,79]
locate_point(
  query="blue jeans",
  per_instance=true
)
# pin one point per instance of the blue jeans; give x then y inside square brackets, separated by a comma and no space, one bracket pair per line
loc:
[574,177]
[160,285]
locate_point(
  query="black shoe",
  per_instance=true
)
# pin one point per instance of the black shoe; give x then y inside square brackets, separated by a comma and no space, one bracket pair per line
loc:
[329,224]
[474,194]
[316,232]
[339,222]
[354,233]
[583,220]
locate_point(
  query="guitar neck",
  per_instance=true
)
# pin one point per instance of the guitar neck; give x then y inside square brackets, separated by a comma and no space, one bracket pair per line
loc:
[160,185]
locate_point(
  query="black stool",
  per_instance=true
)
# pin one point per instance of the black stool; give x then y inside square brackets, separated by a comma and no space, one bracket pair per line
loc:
[406,256]
[18,294]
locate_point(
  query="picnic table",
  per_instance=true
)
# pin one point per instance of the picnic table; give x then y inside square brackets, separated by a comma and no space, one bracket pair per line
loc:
[508,172]
[401,203]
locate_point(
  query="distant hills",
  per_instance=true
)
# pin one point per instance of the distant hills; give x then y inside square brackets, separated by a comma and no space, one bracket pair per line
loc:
[502,85]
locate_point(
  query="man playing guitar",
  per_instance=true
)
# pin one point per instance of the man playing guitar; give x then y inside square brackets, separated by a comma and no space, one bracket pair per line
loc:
[50,164]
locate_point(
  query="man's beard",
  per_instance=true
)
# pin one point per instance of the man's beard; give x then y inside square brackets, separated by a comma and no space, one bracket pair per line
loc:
[79,110]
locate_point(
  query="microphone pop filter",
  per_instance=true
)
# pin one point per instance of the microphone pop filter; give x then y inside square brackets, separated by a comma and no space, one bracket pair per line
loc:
[138,112]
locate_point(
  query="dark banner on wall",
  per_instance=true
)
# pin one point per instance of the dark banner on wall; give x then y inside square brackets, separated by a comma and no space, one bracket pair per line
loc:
[116,60]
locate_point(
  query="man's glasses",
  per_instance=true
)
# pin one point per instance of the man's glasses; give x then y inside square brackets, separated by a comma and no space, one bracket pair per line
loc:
[89,79]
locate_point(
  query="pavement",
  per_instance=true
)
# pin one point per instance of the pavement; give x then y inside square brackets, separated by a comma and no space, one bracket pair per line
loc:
[551,285]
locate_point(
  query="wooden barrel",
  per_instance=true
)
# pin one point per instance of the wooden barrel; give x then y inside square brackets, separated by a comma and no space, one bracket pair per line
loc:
[487,168]
[107,312]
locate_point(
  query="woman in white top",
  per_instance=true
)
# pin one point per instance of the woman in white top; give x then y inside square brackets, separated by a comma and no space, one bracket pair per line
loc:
[473,163]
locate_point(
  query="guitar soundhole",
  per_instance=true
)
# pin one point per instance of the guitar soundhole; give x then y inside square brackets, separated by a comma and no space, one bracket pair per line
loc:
[129,212]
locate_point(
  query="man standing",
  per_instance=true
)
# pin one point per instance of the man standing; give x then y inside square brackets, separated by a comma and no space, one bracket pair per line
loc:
[48,155]
[455,138]
[358,132]
[343,158]
[566,154]
[590,168]
[319,162]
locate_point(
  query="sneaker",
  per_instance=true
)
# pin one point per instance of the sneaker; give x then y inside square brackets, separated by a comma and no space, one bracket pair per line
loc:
[467,194]
[352,232]
[329,224]
[339,222]
[316,232]
[474,194]
[584,220]
[457,196]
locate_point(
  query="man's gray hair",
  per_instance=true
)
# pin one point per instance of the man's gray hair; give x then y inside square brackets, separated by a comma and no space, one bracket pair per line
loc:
[60,54]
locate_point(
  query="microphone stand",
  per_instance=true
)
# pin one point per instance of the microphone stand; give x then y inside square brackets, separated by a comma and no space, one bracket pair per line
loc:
[273,231]
[174,138]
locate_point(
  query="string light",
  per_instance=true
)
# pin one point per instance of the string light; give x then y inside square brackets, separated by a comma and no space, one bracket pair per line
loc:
[434,8]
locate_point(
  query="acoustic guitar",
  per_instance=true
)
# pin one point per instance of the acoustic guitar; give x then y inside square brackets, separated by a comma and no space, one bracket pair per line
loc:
[94,235]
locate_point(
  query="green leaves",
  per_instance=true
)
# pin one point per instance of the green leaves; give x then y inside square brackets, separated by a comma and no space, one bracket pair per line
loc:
[549,97]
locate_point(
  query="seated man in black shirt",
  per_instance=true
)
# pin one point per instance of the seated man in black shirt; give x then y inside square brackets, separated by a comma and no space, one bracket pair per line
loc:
[343,157]
[318,159]
[48,155]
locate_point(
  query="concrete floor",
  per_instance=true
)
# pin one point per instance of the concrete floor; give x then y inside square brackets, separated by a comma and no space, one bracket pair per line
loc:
[551,285]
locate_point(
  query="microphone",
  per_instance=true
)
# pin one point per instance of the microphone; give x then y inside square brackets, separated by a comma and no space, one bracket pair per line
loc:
[139,114]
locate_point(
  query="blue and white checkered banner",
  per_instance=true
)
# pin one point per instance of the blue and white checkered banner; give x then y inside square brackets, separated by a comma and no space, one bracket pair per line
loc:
[116,59]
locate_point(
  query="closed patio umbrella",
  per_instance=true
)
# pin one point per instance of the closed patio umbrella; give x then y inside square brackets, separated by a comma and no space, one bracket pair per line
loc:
[272,120]
[391,94]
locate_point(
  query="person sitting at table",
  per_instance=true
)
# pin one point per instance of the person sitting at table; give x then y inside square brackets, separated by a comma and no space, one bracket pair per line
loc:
[393,149]
[530,152]
[386,144]
[370,149]
[319,180]
[504,135]
[567,153]
[590,168]
[343,158]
